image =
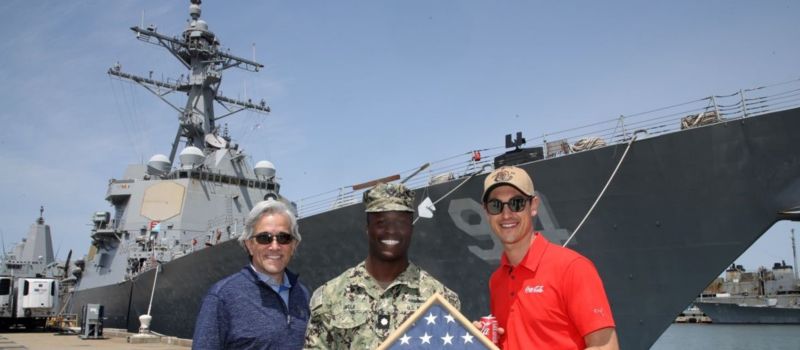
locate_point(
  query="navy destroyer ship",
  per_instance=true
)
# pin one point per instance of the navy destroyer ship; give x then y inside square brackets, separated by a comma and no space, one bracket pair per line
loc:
[765,296]
[750,313]
[661,201]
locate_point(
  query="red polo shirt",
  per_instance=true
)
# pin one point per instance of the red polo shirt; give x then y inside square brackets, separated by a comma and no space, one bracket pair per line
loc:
[551,300]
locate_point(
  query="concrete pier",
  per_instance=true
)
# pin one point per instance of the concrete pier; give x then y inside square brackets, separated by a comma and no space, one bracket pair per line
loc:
[14,340]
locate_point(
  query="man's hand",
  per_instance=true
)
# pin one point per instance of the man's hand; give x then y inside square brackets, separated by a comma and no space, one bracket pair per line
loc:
[479,325]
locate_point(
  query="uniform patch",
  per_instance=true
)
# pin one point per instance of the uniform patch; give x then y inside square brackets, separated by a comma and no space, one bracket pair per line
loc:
[383,322]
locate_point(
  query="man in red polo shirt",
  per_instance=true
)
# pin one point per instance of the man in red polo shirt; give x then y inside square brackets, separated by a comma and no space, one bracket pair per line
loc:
[543,295]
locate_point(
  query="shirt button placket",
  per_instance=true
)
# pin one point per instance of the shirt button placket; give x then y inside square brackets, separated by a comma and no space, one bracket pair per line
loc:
[513,283]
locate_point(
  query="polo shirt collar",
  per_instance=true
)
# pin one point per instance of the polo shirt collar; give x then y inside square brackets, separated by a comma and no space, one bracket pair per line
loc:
[534,255]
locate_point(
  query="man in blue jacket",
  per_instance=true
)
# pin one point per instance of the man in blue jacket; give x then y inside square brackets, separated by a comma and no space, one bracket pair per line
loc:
[263,306]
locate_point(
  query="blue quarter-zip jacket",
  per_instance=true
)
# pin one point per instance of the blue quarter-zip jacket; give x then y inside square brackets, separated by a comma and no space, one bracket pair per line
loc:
[243,312]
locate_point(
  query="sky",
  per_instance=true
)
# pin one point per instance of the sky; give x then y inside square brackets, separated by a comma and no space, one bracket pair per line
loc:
[358,89]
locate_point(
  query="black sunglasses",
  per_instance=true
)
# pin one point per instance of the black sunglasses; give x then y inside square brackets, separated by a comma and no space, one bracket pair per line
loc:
[266,238]
[516,204]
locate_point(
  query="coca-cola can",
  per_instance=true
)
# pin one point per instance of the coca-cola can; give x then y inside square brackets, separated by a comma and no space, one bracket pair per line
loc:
[489,328]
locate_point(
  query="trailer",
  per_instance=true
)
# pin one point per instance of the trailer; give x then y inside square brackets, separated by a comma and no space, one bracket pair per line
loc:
[27,302]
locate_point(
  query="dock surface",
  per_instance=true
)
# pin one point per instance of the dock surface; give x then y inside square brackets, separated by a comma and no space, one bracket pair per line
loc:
[49,341]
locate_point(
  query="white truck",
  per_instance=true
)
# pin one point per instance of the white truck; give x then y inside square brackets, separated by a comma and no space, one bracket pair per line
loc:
[27,301]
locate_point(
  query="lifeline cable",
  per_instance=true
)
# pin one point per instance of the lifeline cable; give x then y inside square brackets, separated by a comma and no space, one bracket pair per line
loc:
[455,188]
[613,174]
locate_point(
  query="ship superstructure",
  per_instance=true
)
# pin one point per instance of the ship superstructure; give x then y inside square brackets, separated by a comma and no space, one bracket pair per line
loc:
[33,256]
[738,282]
[166,209]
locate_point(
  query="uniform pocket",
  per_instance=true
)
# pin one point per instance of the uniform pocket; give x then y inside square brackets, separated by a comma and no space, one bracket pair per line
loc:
[348,317]
[405,309]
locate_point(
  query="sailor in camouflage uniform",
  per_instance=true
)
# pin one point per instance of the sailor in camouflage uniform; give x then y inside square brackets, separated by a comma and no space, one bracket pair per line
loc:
[362,306]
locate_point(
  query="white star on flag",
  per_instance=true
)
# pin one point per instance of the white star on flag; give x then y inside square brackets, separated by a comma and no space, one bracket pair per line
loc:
[421,331]
[447,339]
[467,338]
[431,319]
[426,339]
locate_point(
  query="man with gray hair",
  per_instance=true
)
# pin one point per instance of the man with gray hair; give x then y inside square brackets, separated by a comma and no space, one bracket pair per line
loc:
[263,306]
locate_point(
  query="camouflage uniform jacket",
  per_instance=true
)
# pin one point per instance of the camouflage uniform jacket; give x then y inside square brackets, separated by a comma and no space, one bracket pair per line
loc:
[352,311]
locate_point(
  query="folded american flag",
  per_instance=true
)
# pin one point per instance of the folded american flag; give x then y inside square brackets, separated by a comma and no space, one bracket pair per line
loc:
[436,325]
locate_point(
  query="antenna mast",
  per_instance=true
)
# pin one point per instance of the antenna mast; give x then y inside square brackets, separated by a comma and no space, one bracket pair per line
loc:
[3,240]
[198,50]
[794,254]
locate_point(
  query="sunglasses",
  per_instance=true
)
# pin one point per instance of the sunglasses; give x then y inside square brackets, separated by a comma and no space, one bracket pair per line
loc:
[516,204]
[265,238]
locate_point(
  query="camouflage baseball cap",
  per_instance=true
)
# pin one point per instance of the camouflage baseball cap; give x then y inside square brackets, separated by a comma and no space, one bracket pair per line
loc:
[508,175]
[389,197]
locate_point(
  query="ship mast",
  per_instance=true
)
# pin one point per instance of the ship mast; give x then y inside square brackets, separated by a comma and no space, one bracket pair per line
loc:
[198,50]
[794,254]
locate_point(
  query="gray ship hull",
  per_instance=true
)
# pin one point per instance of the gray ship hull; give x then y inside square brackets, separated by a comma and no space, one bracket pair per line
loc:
[682,207]
[727,313]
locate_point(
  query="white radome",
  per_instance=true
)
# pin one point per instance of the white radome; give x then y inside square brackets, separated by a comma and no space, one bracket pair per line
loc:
[265,168]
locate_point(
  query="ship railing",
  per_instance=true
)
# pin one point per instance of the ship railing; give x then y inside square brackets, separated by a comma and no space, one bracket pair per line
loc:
[218,177]
[454,166]
[745,103]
